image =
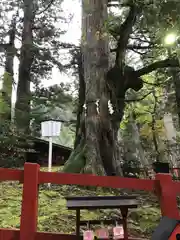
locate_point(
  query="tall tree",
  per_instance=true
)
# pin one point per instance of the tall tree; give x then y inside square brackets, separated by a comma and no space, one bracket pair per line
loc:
[26,60]
[8,78]
[7,49]
[40,51]
[100,136]
[102,86]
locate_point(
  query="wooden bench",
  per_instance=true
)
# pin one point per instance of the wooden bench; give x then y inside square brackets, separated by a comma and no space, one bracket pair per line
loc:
[102,202]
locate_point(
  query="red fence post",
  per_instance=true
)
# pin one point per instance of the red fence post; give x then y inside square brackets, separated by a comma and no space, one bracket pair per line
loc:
[29,211]
[167,195]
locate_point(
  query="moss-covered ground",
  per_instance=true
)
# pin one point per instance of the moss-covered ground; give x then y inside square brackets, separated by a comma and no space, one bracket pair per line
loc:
[53,215]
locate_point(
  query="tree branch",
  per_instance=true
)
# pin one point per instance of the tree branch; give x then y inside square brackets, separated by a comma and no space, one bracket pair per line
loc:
[137,47]
[159,83]
[153,84]
[142,39]
[138,99]
[124,32]
[46,8]
[140,53]
[140,47]
[160,64]
[117,3]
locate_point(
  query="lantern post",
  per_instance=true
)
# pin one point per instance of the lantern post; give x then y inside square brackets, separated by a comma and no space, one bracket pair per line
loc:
[50,129]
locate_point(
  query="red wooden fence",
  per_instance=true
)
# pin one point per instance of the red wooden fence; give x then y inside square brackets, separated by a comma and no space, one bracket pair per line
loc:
[163,186]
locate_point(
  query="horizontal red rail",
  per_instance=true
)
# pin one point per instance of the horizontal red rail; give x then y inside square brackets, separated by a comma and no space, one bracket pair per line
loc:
[80,179]
[11,175]
[92,180]
[8,234]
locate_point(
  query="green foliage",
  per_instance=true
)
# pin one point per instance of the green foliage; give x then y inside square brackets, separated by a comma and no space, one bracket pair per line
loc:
[54,103]
[5,96]
[146,219]
[7,83]
[47,45]
[55,95]
[143,109]
[13,145]
[4,107]
[67,136]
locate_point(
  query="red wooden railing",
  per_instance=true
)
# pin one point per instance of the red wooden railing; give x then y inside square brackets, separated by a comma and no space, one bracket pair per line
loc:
[163,186]
[148,172]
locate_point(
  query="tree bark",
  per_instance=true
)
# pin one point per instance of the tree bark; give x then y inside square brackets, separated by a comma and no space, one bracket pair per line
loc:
[137,141]
[171,137]
[9,72]
[22,107]
[93,48]
[80,125]
[176,81]
[98,133]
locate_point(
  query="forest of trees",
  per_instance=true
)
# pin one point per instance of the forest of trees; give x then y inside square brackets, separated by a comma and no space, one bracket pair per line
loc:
[124,109]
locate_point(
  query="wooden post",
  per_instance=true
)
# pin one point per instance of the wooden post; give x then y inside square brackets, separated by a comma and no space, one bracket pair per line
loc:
[124,213]
[29,211]
[78,223]
[167,196]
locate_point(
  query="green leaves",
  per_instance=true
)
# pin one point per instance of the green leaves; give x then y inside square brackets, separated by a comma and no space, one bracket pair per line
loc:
[54,103]
[13,145]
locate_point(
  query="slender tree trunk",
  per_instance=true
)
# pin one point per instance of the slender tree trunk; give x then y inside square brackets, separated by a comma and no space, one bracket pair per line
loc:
[22,108]
[80,125]
[137,142]
[9,73]
[174,73]
[176,81]
[170,130]
[171,137]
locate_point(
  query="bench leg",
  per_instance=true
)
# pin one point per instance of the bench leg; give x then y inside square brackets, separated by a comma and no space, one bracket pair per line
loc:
[78,223]
[124,213]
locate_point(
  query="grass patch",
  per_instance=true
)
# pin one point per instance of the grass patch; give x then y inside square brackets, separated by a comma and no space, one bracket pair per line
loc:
[10,204]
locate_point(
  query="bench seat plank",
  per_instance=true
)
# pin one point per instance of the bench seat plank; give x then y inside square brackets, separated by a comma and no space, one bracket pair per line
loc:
[101,202]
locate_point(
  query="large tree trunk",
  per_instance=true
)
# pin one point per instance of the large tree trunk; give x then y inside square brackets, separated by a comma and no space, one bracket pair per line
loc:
[99,135]
[98,140]
[22,108]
